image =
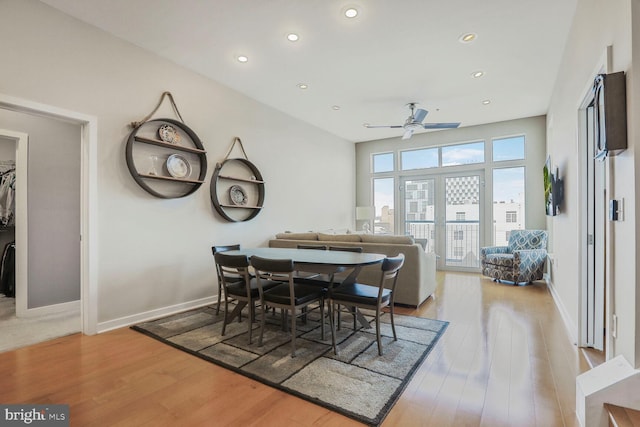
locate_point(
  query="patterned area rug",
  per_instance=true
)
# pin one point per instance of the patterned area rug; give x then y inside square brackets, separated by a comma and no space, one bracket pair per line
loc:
[357,382]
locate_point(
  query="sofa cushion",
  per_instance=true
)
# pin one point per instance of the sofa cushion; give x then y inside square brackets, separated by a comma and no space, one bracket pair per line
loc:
[297,236]
[377,238]
[339,237]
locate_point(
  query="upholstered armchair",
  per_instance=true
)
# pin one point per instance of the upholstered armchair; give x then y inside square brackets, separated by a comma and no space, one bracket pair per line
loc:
[521,262]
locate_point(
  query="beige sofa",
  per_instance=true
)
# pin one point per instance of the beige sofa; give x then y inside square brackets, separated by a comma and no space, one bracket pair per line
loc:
[416,280]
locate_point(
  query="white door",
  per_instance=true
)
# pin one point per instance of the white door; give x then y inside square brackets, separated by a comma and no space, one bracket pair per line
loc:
[596,220]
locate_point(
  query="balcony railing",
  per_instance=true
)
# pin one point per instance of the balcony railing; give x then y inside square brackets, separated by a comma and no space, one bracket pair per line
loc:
[462,241]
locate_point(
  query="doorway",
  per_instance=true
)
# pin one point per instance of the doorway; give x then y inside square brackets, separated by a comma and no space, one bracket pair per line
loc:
[88,198]
[444,211]
[594,229]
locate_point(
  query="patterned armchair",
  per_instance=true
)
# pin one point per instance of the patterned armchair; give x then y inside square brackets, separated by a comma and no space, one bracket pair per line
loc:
[521,262]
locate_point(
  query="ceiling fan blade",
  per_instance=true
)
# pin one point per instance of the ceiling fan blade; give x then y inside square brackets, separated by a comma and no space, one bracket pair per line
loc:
[407,134]
[392,126]
[440,125]
[419,115]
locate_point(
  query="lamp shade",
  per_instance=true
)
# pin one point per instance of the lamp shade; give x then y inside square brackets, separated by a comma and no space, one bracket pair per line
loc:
[364,213]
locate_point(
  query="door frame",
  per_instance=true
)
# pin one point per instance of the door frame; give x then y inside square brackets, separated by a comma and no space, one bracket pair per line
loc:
[604,66]
[88,200]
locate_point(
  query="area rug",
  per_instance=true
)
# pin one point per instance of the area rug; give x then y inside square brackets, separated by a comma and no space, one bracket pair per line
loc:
[357,382]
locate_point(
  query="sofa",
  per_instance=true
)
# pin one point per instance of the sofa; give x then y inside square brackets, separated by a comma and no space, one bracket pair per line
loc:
[417,278]
[522,261]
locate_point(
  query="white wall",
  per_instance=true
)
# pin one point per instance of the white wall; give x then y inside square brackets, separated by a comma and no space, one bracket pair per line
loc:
[155,253]
[596,25]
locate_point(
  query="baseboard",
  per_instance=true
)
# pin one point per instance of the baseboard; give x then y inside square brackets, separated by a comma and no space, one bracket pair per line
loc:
[566,319]
[154,314]
[65,307]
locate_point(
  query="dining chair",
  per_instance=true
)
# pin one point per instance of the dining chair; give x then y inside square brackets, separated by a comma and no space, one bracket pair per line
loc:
[318,247]
[240,286]
[214,250]
[298,274]
[287,295]
[359,295]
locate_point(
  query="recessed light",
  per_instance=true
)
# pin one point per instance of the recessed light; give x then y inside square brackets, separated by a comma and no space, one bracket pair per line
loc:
[302,86]
[366,125]
[467,38]
[242,58]
[335,107]
[292,37]
[351,12]
[477,74]
[486,102]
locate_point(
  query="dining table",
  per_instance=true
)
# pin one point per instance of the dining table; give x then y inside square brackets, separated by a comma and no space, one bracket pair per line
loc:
[320,261]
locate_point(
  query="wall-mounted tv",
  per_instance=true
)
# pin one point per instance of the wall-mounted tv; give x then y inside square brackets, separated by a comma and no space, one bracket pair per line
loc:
[553,189]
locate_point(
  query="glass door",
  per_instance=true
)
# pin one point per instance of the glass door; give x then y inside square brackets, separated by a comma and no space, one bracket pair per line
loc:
[443,213]
[462,220]
[420,211]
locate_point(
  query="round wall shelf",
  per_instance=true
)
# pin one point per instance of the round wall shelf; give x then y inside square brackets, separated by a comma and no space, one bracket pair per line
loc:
[237,190]
[166,158]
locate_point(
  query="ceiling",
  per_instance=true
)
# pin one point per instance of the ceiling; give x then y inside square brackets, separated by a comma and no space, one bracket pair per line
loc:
[358,70]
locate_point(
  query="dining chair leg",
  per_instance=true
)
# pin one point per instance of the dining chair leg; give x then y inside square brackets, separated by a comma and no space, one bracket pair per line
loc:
[252,309]
[332,326]
[322,318]
[393,325]
[293,332]
[379,338]
[262,323]
[226,313]
[219,299]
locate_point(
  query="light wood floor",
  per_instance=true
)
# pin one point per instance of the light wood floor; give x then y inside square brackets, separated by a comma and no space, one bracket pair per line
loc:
[505,360]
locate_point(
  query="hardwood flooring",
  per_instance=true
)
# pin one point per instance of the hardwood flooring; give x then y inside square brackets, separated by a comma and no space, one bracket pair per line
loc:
[505,360]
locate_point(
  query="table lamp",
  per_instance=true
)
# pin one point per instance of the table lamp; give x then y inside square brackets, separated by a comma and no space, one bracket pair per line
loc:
[365,213]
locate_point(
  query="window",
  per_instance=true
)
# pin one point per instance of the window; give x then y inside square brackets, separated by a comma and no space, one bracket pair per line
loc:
[507,234]
[508,202]
[458,252]
[458,234]
[419,159]
[460,216]
[383,204]
[383,162]
[463,154]
[508,149]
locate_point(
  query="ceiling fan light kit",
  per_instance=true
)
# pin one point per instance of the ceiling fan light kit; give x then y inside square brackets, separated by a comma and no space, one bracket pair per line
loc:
[414,122]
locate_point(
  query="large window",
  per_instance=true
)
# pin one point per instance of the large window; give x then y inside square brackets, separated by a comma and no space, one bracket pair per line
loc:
[508,203]
[456,173]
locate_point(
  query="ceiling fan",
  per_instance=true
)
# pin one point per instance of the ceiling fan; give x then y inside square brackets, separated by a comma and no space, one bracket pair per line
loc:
[414,122]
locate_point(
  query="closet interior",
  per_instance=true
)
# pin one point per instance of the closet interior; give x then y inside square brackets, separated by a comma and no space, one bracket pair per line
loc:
[7,227]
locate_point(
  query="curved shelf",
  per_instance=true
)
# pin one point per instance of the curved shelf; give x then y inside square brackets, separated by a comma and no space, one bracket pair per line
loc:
[168,145]
[167,187]
[256,200]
